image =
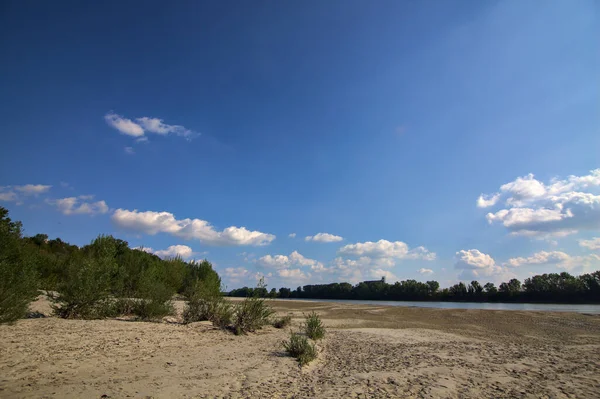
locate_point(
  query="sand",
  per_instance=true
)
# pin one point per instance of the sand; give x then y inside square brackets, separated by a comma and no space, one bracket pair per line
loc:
[369,352]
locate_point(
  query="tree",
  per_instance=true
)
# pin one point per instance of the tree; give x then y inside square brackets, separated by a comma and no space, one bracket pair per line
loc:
[433,286]
[18,278]
[490,289]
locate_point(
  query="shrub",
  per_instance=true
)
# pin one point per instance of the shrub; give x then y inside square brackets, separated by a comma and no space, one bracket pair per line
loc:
[212,308]
[253,313]
[314,326]
[299,347]
[154,296]
[282,322]
[206,302]
[84,293]
[18,278]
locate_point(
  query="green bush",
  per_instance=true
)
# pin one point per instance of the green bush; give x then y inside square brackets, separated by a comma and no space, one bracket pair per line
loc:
[282,322]
[153,299]
[205,299]
[299,347]
[18,277]
[253,313]
[314,326]
[84,292]
[203,306]
[17,289]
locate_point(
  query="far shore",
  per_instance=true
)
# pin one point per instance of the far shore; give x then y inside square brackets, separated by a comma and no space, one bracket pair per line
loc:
[369,351]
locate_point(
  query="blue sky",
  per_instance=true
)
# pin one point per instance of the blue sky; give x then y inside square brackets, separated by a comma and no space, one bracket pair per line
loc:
[217,129]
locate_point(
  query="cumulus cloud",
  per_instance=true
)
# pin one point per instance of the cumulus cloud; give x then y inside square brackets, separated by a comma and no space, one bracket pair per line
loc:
[152,223]
[129,150]
[485,201]
[323,237]
[386,249]
[144,125]
[554,209]
[560,259]
[541,257]
[476,264]
[292,235]
[293,260]
[293,274]
[172,251]
[425,271]
[79,206]
[592,244]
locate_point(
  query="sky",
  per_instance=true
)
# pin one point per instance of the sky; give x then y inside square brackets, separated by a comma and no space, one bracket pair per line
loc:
[307,141]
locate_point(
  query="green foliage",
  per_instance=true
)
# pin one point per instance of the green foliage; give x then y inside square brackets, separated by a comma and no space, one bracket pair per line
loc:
[18,278]
[154,295]
[84,292]
[206,302]
[282,322]
[314,327]
[299,347]
[253,313]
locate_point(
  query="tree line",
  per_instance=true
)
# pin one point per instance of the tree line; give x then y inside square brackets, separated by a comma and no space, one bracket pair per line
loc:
[551,288]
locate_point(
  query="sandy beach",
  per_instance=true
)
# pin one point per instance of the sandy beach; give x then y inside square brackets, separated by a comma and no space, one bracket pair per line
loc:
[369,352]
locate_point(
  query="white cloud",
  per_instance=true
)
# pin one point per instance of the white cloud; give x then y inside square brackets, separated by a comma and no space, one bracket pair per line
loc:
[592,244]
[379,273]
[556,209]
[541,257]
[293,274]
[237,274]
[386,249]
[485,201]
[75,206]
[292,235]
[425,271]
[294,259]
[150,222]
[558,258]
[523,190]
[476,264]
[33,189]
[323,237]
[9,196]
[144,125]
[174,250]
[15,193]
[361,269]
[124,125]
[129,150]
[155,125]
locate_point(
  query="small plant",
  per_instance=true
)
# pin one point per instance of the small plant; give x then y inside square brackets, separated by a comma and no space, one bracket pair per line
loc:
[299,347]
[314,326]
[282,322]
[253,313]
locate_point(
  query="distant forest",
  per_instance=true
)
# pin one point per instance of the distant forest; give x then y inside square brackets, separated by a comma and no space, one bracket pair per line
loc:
[549,288]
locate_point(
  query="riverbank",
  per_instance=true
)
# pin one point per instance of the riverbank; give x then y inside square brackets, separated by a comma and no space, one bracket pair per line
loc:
[369,351]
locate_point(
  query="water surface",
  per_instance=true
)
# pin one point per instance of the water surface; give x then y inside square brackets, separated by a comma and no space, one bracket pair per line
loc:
[548,307]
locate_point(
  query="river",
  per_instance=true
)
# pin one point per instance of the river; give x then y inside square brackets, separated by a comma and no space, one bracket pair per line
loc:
[548,307]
